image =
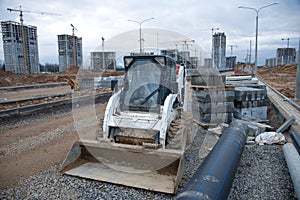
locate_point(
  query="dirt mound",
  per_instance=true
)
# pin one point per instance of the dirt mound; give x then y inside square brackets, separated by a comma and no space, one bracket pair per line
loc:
[107,73]
[11,79]
[6,73]
[282,78]
[72,70]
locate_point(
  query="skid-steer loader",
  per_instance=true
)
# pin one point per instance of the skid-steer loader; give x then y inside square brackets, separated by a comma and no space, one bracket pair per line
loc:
[145,130]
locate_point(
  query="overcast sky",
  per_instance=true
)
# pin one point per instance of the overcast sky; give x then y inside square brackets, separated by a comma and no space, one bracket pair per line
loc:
[190,18]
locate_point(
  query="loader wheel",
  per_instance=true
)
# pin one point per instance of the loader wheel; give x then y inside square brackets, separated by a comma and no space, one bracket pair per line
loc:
[179,135]
[175,135]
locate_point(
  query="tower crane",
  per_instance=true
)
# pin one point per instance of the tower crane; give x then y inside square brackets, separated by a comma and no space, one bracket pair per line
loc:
[231,48]
[288,41]
[74,44]
[22,30]
[185,43]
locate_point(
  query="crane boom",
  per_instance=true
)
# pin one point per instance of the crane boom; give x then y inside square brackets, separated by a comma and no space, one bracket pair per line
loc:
[231,48]
[74,44]
[29,11]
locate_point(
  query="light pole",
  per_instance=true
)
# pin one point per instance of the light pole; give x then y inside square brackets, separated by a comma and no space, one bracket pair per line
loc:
[140,23]
[103,57]
[256,33]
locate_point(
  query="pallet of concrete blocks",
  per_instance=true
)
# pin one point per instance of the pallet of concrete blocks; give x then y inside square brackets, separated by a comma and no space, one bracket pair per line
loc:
[207,77]
[212,105]
[250,103]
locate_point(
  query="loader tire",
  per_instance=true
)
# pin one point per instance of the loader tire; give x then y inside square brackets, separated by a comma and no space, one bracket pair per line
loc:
[179,134]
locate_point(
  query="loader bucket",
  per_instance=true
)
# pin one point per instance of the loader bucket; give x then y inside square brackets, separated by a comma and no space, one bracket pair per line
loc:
[134,166]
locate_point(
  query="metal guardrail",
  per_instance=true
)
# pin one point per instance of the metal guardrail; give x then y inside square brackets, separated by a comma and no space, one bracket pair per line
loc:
[295,105]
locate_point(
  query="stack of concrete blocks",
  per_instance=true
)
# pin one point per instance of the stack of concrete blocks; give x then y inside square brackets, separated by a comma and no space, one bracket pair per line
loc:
[250,103]
[212,101]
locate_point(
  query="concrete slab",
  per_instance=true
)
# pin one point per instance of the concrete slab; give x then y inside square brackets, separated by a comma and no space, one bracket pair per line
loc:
[249,94]
[213,118]
[250,104]
[255,112]
[213,107]
[209,80]
[213,95]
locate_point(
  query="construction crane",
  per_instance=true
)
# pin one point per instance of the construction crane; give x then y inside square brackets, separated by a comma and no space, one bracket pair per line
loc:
[74,44]
[186,43]
[22,30]
[288,41]
[231,48]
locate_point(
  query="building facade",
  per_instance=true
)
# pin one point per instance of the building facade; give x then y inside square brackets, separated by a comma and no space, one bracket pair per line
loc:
[103,60]
[18,58]
[219,50]
[194,61]
[286,56]
[184,57]
[207,62]
[66,51]
[271,62]
[173,53]
[230,62]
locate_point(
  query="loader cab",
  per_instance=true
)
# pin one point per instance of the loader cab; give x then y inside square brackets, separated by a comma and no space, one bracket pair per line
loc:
[148,80]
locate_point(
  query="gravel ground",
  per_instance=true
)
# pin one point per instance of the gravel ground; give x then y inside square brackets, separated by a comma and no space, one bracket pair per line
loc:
[51,184]
[262,174]
[45,137]
[15,121]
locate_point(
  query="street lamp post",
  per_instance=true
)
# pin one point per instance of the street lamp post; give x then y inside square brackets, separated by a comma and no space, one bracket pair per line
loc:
[140,23]
[256,33]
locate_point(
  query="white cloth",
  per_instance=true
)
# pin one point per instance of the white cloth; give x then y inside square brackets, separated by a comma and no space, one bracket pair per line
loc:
[270,138]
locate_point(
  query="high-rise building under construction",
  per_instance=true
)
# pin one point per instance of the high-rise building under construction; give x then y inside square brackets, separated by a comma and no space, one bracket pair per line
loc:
[66,51]
[20,56]
[219,51]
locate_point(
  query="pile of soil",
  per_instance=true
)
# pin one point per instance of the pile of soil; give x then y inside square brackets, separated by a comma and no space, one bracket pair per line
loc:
[282,78]
[72,70]
[11,79]
[107,73]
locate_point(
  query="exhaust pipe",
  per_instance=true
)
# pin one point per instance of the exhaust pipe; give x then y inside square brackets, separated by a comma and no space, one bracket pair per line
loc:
[214,178]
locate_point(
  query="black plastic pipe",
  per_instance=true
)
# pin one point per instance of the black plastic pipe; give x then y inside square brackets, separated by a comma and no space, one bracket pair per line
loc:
[296,140]
[214,178]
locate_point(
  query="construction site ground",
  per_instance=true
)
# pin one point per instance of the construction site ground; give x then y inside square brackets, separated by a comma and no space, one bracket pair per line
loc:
[282,78]
[54,135]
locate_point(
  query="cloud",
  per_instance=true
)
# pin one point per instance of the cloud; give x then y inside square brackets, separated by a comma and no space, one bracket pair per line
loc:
[193,18]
